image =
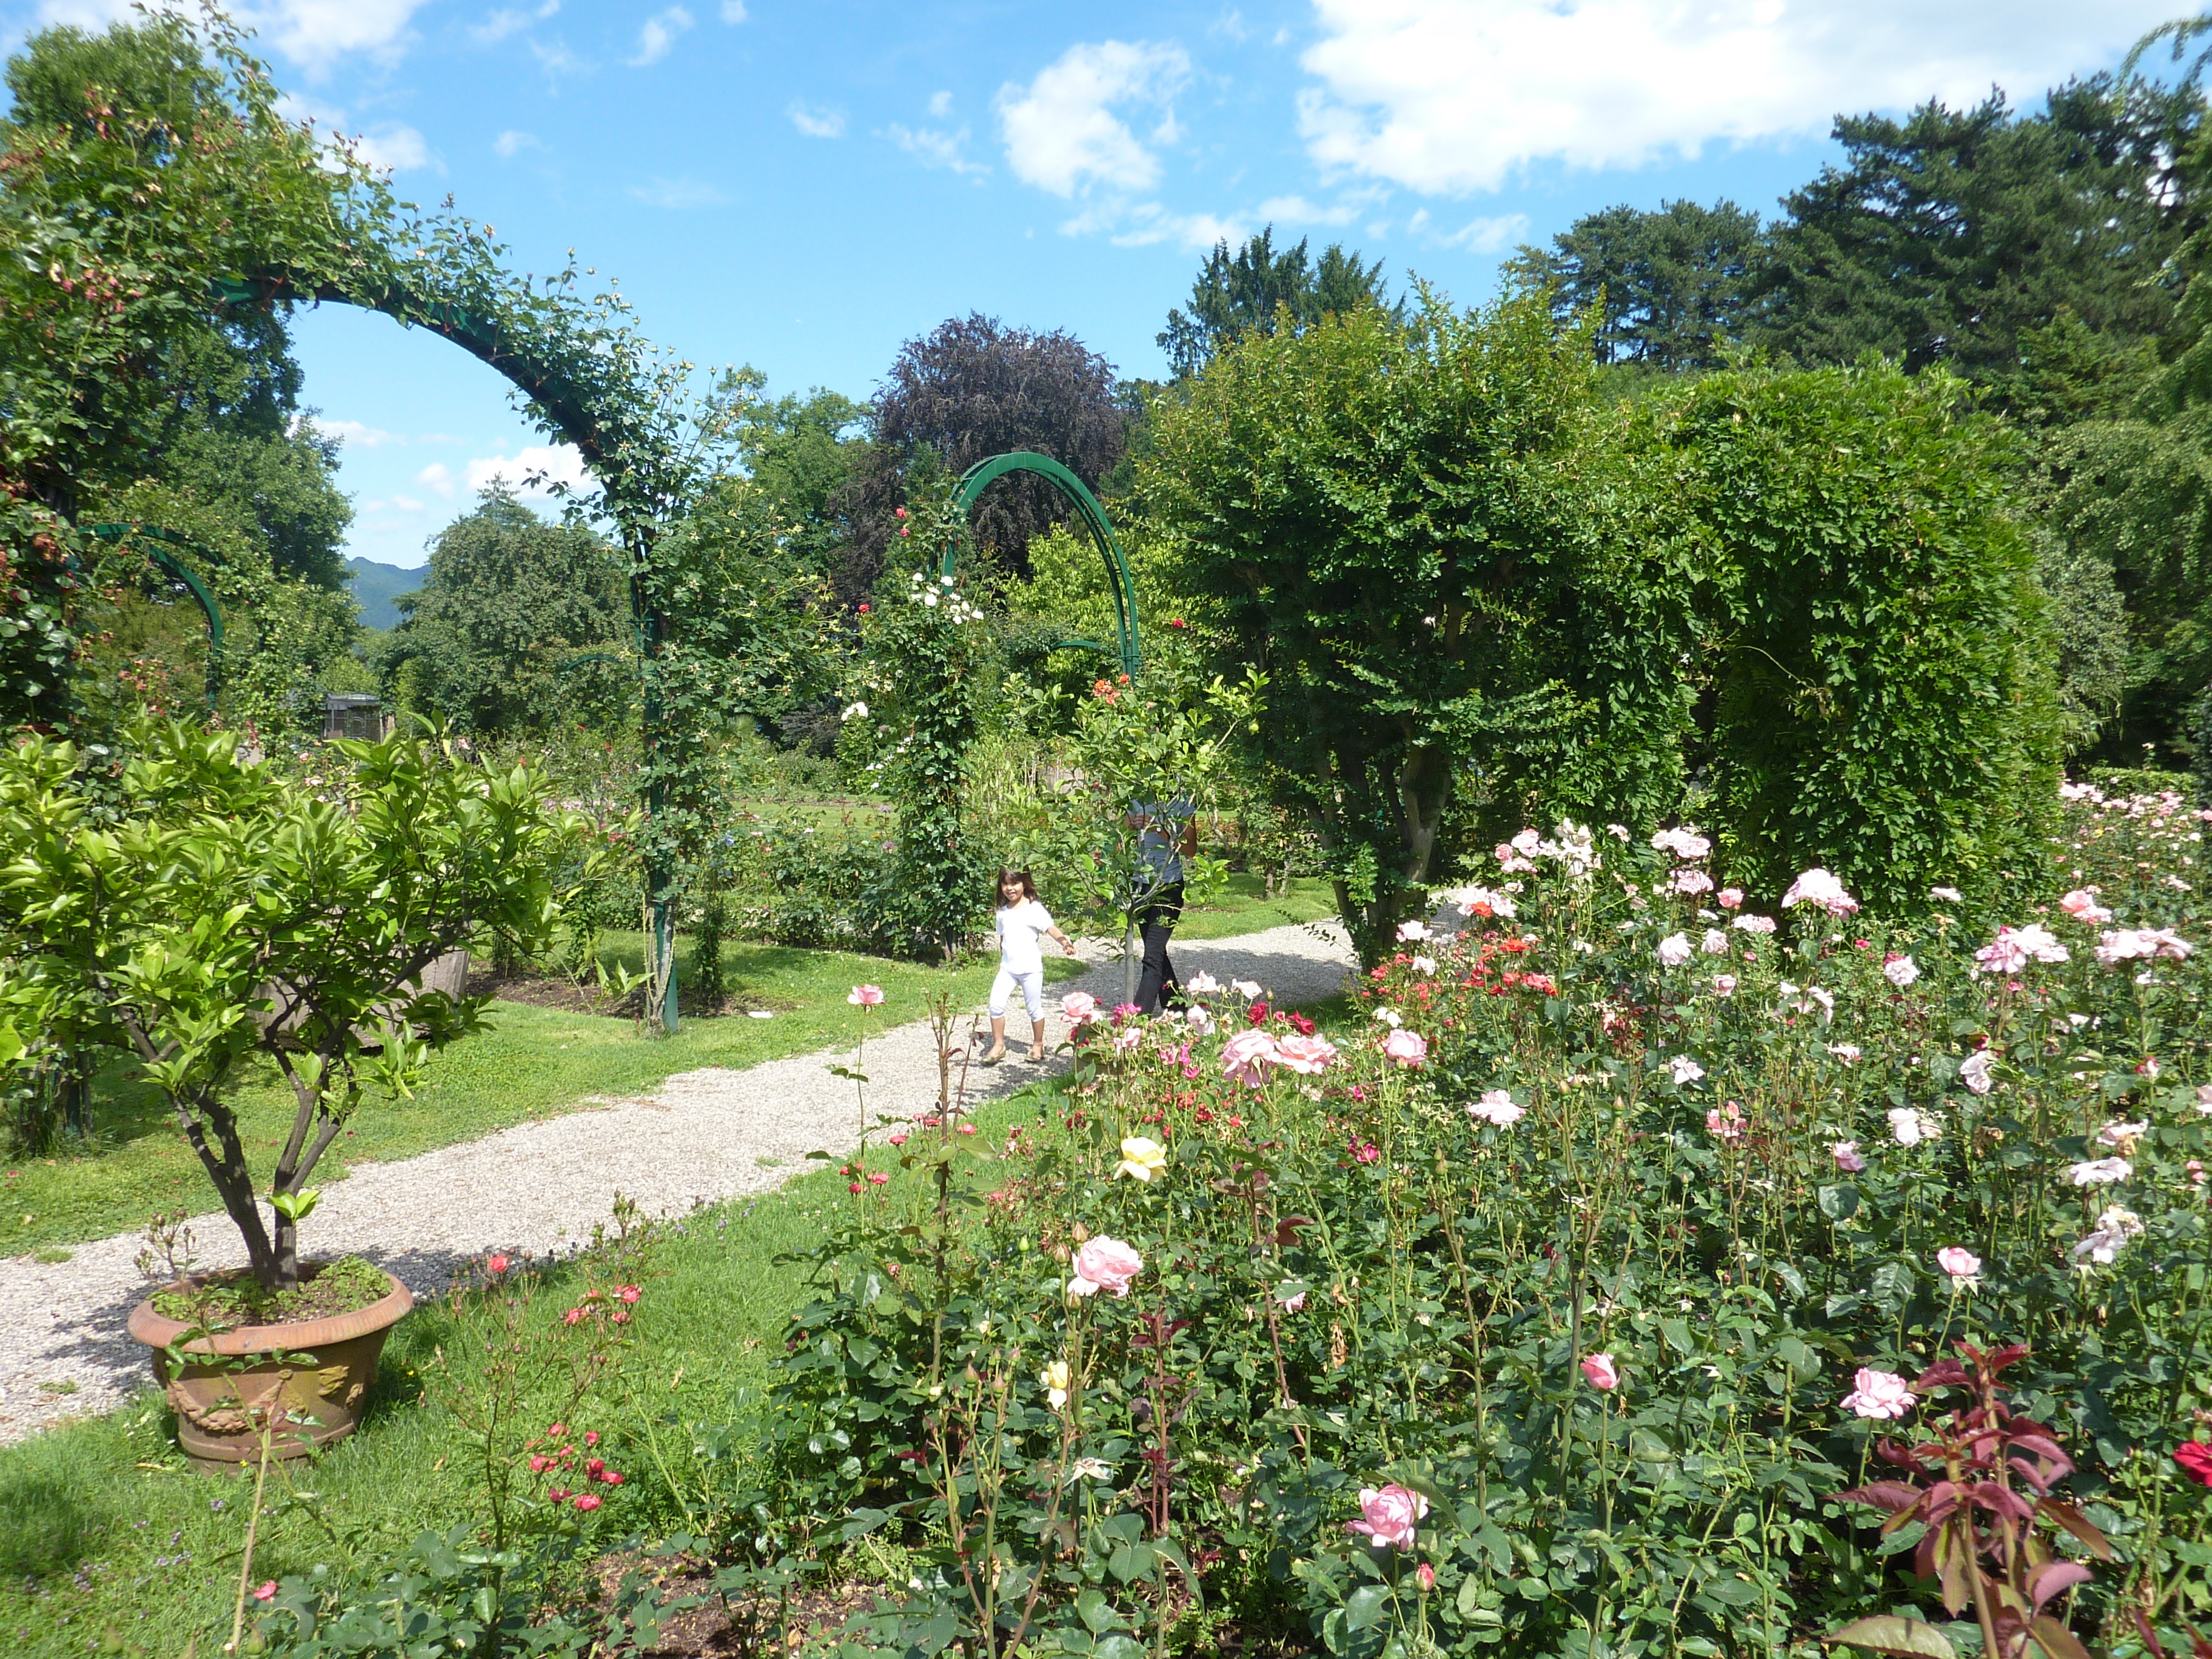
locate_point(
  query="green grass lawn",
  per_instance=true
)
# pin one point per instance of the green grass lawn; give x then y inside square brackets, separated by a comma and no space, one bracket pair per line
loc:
[1241,909]
[110,1543]
[533,1063]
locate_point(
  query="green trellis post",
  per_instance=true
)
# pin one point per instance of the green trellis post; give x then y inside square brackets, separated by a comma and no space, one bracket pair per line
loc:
[981,476]
[119,533]
[568,408]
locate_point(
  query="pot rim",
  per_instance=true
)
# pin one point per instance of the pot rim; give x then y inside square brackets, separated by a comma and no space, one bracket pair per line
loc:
[158,1330]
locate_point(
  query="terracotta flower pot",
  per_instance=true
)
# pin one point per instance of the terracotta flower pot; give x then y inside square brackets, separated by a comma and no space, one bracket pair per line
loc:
[316,1391]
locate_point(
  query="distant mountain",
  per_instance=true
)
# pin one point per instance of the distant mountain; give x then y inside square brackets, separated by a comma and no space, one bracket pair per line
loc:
[375,586]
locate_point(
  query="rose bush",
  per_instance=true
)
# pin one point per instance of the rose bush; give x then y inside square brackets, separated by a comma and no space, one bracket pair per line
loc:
[1620,1261]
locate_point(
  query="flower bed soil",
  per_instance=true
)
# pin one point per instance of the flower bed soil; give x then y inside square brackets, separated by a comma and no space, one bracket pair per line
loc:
[346,1285]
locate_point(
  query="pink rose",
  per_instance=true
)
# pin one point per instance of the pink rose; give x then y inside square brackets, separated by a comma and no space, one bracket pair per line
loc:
[2081,905]
[1818,887]
[1880,1395]
[1729,898]
[1306,1055]
[1425,1577]
[864,996]
[1407,1049]
[1963,1265]
[1079,1007]
[1598,1368]
[1846,1154]
[587,1501]
[1389,1514]
[1105,1264]
[1246,1056]
[267,1592]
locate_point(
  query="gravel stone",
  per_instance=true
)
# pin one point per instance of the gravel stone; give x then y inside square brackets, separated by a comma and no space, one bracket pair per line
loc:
[538,1188]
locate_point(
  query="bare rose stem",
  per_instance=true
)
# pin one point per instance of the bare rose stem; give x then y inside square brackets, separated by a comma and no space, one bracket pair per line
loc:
[253,1521]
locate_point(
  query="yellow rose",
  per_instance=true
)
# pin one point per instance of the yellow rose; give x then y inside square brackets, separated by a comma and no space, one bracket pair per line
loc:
[1055,1378]
[1141,1159]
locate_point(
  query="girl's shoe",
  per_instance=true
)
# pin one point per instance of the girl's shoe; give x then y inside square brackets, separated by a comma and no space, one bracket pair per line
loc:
[994,1056]
[1037,1056]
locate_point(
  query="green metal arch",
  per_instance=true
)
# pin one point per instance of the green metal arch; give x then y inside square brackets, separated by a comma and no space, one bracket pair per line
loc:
[177,568]
[569,409]
[981,476]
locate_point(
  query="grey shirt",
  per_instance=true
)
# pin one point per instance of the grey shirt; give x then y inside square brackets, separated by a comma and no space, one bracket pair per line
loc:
[1160,844]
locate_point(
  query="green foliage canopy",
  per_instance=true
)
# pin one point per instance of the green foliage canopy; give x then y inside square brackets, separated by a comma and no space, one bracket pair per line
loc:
[1879,651]
[1420,537]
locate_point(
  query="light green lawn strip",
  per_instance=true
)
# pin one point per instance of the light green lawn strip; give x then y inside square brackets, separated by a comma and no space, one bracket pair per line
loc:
[533,1063]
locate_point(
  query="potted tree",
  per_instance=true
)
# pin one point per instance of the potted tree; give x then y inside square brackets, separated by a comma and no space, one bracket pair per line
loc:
[226,914]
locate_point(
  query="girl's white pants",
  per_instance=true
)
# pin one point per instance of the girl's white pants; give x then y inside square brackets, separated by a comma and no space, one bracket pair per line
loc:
[1032,986]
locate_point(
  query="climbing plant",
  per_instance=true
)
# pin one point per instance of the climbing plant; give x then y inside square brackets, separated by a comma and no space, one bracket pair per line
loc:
[935,653]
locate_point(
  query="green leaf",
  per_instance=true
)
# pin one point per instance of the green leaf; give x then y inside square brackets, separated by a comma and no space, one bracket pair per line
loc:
[1889,1632]
[1367,1607]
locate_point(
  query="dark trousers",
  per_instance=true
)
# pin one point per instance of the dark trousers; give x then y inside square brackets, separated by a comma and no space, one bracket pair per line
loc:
[1155,922]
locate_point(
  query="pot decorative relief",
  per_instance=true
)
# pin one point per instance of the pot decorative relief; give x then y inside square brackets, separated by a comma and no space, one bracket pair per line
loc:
[304,1382]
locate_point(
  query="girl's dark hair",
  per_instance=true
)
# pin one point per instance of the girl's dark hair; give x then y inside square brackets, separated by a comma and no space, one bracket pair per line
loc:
[1027,884]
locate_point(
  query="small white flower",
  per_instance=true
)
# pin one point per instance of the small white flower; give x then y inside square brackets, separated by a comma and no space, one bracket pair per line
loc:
[1715,943]
[1846,1052]
[1675,950]
[1202,983]
[1902,972]
[1424,965]
[1389,1018]
[1247,988]
[2099,1171]
[1974,1071]
[1686,1070]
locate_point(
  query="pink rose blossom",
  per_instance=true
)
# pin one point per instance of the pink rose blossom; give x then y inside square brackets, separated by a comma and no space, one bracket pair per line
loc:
[864,996]
[2081,905]
[1818,887]
[1497,1107]
[1407,1049]
[1749,924]
[1307,1056]
[1412,932]
[1246,1056]
[1689,882]
[1598,1368]
[587,1501]
[1723,985]
[1963,1265]
[1425,1577]
[1725,1122]
[1675,950]
[1079,1007]
[1846,1154]
[1729,898]
[1389,1516]
[1901,971]
[1105,1264]
[266,1592]
[1881,1395]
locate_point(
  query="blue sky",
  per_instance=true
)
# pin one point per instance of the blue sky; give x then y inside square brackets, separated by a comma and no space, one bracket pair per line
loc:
[804,186]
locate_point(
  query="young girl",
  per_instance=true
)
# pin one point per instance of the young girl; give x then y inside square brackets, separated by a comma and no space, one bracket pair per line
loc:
[1021,960]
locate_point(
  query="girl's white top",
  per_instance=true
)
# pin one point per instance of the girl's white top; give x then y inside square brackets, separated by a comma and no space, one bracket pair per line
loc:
[1018,927]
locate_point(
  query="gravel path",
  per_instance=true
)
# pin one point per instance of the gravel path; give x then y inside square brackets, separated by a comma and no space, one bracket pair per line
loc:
[702,1136]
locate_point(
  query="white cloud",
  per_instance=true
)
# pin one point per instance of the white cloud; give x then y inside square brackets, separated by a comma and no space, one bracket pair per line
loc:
[512,140]
[394,149]
[1492,236]
[1061,132]
[733,11]
[658,34]
[1449,96]
[316,34]
[355,436]
[936,148]
[818,123]
[678,193]
[437,478]
[407,503]
[1296,210]
[1141,224]
[557,463]
[941,103]
[496,28]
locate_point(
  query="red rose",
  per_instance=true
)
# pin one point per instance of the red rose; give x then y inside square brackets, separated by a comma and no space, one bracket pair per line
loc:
[2195,1457]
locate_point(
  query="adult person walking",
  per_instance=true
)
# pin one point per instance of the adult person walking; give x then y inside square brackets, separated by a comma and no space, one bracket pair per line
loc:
[1167,833]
